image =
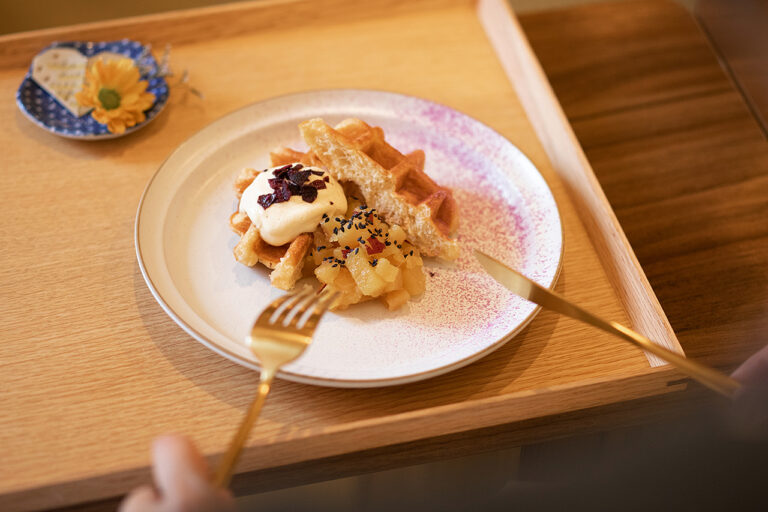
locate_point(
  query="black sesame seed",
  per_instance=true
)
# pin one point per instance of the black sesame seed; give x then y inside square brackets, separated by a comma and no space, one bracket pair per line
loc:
[411,253]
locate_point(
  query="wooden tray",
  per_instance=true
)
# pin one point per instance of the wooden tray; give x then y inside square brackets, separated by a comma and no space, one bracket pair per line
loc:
[93,369]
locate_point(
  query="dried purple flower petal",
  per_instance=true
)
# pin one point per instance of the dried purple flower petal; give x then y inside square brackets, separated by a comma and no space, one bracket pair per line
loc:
[266,200]
[293,188]
[308,194]
[283,192]
[297,177]
[282,171]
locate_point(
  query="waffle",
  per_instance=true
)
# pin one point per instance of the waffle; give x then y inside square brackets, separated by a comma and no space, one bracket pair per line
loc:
[393,183]
[286,261]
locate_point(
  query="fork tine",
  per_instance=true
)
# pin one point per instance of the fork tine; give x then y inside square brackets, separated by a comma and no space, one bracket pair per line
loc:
[297,298]
[301,309]
[273,306]
[319,309]
[265,315]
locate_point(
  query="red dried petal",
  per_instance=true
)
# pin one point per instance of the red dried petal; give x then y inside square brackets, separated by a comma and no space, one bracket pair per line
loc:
[375,246]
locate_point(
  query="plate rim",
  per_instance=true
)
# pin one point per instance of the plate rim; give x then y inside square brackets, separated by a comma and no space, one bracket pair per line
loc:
[329,381]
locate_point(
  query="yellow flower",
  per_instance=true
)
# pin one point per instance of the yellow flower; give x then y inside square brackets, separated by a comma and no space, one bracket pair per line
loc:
[118,98]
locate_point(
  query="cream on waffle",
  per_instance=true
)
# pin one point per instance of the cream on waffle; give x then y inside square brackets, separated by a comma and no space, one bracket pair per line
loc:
[393,183]
[286,259]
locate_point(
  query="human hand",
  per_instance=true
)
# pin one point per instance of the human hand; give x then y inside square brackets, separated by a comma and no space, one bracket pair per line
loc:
[751,401]
[182,483]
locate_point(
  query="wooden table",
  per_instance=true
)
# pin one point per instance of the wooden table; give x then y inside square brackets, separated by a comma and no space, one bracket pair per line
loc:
[683,164]
[680,157]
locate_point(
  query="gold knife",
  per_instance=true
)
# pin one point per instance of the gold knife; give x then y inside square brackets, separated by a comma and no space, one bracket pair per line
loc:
[524,287]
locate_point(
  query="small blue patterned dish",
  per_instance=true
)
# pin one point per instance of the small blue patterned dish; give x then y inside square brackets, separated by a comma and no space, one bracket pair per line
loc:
[43,110]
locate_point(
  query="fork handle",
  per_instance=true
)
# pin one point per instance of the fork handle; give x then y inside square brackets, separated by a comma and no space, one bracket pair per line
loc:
[229,459]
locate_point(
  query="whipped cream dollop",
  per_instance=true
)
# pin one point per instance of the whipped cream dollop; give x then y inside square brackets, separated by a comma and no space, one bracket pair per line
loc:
[281,222]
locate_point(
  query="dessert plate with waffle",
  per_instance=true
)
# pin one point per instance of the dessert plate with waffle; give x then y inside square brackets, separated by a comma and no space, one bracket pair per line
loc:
[379,196]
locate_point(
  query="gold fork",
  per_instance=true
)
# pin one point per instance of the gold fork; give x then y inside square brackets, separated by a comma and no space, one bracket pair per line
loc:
[275,342]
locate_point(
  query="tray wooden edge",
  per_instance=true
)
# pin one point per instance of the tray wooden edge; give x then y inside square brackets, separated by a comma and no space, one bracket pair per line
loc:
[570,163]
[186,25]
[395,429]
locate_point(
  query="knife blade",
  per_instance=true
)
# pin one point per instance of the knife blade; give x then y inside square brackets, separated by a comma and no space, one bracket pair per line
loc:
[532,291]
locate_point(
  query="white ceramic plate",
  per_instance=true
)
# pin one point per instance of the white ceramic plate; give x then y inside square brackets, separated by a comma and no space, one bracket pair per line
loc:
[184,244]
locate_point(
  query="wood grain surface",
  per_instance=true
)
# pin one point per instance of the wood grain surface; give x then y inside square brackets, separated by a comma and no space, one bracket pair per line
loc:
[680,157]
[92,368]
[738,36]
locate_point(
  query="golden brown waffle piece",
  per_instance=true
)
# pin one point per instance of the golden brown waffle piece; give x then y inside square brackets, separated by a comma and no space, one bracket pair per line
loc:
[284,156]
[393,183]
[286,261]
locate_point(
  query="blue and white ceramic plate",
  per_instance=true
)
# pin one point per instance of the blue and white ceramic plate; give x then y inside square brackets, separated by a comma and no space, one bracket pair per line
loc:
[47,113]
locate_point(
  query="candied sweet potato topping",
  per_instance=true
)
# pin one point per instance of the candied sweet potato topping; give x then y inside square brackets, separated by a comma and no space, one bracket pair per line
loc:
[364,258]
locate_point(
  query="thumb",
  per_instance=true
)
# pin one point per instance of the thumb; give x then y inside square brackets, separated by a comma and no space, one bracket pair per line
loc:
[178,467]
[750,407]
[754,370]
